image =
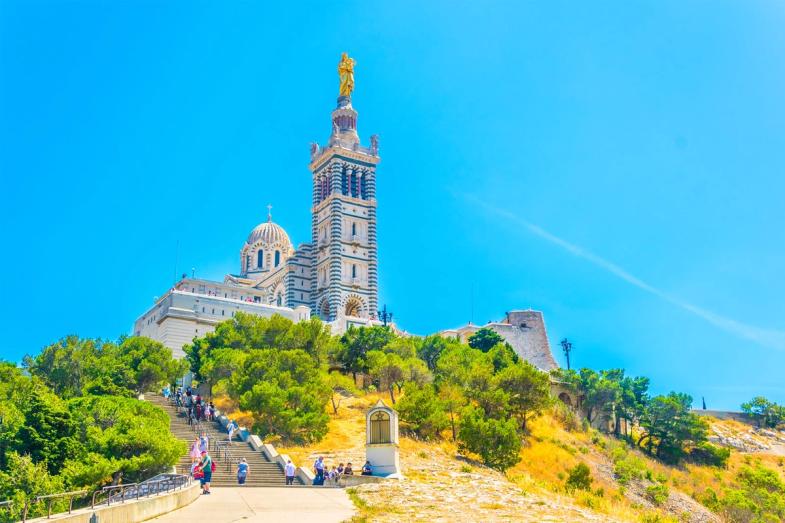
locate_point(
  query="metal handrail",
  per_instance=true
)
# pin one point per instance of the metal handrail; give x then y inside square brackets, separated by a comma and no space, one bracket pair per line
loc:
[51,497]
[109,488]
[170,481]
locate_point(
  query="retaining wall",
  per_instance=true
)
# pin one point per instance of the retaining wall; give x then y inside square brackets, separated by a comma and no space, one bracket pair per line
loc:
[131,511]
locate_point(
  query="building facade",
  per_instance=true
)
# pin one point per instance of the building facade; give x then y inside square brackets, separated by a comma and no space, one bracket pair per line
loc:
[524,330]
[334,276]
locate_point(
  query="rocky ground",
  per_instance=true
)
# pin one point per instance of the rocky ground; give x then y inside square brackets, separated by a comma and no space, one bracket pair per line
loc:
[440,488]
[746,438]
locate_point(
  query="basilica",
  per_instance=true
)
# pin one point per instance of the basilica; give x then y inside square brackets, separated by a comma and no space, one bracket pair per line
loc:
[334,276]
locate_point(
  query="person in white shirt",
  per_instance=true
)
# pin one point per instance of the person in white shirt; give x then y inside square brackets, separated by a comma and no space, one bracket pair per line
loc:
[289,471]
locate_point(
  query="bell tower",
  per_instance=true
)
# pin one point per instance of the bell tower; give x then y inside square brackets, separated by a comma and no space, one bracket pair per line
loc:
[344,280]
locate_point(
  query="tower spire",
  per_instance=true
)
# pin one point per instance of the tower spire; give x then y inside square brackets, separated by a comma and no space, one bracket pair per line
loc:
[269,212]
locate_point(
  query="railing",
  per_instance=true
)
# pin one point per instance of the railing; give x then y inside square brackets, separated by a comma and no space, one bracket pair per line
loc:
[155,485]
[222,447]
[50,499]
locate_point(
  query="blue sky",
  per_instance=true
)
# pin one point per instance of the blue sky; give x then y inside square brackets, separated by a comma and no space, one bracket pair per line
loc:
[616,165]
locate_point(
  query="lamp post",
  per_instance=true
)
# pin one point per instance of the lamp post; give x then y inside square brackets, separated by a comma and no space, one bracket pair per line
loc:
[566,346]
[385,316]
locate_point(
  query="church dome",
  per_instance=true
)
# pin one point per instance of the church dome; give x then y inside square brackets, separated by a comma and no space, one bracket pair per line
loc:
[268,233]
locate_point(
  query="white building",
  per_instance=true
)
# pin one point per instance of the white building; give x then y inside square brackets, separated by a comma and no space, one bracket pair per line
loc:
[335,275]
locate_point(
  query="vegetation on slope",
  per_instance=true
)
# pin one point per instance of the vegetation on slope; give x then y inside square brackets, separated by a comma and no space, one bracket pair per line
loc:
[71,422]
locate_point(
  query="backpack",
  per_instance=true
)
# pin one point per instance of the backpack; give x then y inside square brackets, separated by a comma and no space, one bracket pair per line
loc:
[212,466]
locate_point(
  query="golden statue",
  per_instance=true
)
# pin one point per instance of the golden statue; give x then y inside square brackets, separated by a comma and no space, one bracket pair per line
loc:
[346,75]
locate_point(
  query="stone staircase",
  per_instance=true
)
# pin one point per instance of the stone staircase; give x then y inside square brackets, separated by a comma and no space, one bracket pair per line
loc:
[263,472]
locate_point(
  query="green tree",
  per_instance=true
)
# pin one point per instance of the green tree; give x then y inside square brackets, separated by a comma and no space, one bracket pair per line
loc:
[48,434]
[495,441]
[122,437]
[527,390]
[669,427]
[453,400]
[340,387]
[421,409]
[151,363]
[430,349]
[485,339]
[286,392]
[22,480]
[357,342]
[766,413]
[388,369]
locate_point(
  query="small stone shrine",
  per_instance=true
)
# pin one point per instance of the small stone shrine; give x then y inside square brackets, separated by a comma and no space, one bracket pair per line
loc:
[381,441]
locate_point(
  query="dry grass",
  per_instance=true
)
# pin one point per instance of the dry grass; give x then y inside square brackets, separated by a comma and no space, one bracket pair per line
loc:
[550,452]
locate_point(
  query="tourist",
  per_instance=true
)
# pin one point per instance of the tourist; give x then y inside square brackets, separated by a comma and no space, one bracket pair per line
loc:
[289,471]
[166,392]
[242,471]
[231,429]
[196,450]
[367,469]
[318,468]
[348,470]
[340,469]
[198,411]
[332,476]
[206,466]
[204,443]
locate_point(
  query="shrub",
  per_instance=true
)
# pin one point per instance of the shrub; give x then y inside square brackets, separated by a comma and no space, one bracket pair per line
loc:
[496,441]
[657,493]
[422,411]
[708,454]
[628,468]
[579,478]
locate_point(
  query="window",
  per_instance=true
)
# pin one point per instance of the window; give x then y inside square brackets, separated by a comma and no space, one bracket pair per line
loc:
[260,258]
[202,309]
[279,300]
[277,258]
[354,185]
[223,312]
[354,271]
[380,427]
[213,311]
[354,228]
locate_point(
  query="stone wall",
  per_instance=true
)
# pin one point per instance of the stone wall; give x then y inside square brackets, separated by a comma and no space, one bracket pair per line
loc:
[131,511]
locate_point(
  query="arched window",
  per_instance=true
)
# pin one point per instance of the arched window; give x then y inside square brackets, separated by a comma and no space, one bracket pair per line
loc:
[344,182]
[353,308]
[354,184]
[380,427]
[364,186]
[260,258]
[354,228]
[277,258]
[354,270]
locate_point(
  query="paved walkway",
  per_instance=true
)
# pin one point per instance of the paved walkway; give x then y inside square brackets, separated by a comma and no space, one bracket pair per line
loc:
[252,505]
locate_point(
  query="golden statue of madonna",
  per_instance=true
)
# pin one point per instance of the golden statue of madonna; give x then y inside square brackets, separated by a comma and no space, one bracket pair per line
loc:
[346,75]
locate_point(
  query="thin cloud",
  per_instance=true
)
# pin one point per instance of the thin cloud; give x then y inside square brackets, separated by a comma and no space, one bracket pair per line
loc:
[770,338]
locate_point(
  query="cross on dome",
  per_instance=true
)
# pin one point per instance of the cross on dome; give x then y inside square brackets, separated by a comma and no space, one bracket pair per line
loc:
[269,212]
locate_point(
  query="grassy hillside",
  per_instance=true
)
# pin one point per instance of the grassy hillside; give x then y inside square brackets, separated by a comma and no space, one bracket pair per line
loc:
[626,484]
[442,485]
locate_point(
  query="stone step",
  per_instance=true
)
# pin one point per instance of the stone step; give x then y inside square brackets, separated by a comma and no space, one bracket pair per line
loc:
[263,473]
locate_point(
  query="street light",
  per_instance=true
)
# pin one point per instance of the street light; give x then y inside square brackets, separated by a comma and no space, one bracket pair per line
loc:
[566,346]
[385,316]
